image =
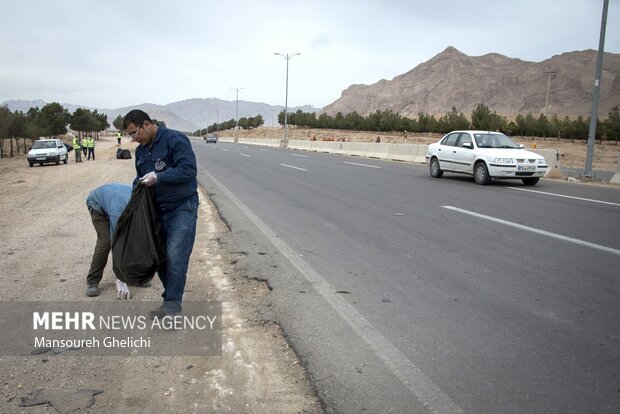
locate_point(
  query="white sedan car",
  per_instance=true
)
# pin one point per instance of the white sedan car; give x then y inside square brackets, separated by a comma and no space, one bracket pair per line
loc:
[486,156]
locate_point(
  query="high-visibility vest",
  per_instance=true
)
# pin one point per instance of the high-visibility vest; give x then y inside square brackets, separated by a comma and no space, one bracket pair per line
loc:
[76,143]
[90,143]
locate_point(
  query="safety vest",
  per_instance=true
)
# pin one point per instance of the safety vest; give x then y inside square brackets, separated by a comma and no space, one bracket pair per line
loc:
[90,143]
[76,143]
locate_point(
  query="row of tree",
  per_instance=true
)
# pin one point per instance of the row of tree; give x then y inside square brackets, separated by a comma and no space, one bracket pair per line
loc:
[481,118]
[51,120]
[245,123]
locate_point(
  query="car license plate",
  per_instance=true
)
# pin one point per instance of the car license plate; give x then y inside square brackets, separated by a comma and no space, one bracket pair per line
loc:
[526,168]
[40,158]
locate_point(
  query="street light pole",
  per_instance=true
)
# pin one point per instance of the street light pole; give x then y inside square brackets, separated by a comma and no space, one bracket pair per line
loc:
[237,114]
[549,72]
[596,93]
[287,57]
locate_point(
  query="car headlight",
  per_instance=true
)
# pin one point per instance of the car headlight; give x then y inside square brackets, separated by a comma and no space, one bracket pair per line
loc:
[504,160]
[542,161]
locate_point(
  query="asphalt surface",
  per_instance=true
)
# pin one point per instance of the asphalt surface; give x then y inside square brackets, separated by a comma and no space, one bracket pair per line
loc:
[404,293]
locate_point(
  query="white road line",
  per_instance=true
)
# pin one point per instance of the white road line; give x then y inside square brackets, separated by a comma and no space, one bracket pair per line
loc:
[299,155]
[361,165]
[535,230]
[265,150]
[412,377]
[296,168]
[566,196]
[245,155]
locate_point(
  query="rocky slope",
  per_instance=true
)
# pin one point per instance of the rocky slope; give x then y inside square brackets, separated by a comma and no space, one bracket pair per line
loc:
[506,85]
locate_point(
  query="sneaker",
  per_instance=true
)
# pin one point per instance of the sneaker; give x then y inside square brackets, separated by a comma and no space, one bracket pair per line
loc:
[92,290]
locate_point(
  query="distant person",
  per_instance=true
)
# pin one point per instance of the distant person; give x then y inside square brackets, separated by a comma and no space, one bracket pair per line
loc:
[77,148]
[91,147]
[105,204]
[377,140]
[165,160]
[118,138]
[84,145]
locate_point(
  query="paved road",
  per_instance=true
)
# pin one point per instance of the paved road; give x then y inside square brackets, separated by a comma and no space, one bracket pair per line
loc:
[403,293]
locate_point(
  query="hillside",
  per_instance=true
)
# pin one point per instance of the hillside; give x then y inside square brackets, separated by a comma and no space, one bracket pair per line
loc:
[506,85]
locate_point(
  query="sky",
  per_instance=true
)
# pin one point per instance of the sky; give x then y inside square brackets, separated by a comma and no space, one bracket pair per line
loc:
[111,54]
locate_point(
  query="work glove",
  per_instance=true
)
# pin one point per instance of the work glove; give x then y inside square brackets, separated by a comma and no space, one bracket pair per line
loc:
[122,291]
[149,179]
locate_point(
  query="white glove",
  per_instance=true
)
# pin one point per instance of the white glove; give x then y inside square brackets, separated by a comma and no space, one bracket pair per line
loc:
[149,179]
[122,291]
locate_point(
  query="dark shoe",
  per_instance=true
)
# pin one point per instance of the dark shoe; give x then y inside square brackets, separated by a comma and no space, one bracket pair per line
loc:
[92,290]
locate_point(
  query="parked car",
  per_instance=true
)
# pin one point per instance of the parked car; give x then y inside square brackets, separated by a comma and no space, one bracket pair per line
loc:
[47,151]
[211,138]
[486,156]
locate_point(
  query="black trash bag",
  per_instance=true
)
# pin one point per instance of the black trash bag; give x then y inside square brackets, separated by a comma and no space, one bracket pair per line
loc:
[69,147]
[138,246]
[123,154]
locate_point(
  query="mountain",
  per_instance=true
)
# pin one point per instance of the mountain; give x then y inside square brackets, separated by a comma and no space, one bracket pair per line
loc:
[506,85]
[188,115]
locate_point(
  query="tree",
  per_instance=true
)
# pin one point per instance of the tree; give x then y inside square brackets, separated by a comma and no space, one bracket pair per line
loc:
[612,124]
[6,117]
[118,123]
[54,118]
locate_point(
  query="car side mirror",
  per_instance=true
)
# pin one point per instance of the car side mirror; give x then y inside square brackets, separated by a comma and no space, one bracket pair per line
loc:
[521,146]
[468,145]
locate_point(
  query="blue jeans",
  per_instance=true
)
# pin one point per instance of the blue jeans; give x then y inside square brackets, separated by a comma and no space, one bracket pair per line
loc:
[178,227]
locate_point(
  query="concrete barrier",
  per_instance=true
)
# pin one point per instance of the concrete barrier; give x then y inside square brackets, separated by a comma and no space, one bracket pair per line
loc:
[260,141]
[553,162]
[616,177]
[330,147]
[406,152]
[299,144]
[378,150]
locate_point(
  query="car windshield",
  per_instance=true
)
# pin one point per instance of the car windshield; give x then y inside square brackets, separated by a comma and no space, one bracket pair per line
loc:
[494,141]
[44,144]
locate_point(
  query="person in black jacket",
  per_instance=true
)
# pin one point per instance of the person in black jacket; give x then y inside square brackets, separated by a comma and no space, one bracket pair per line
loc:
[165,161]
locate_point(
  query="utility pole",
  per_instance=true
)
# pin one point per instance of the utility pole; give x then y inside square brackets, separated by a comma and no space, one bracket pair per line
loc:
[596,93]
[287,57]
[549,72]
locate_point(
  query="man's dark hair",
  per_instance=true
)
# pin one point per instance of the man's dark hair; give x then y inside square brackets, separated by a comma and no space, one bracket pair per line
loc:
[136,117]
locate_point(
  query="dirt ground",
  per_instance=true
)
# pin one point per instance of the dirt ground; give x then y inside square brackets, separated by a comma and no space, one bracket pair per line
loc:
[573,153]
[46,245]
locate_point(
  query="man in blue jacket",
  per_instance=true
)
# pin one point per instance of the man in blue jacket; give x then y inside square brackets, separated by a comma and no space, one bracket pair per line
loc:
[165,161]
[105,204]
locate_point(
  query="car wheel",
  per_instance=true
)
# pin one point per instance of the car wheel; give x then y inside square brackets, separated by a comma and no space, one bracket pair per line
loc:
[530,181]
[435,169]
[31,163]
[481,174]
[66,160]
[58,160]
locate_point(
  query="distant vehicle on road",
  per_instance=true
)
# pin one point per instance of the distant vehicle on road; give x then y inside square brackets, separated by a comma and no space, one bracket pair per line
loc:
[211,138]
[486,156]
[47,151]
